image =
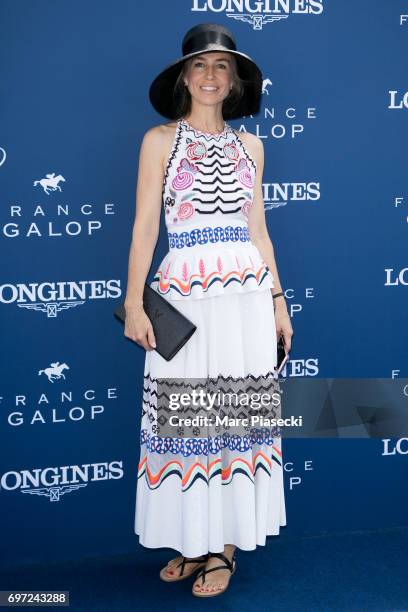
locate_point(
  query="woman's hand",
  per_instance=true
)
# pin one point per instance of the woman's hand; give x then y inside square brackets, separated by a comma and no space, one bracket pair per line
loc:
[138,327]
[282,323]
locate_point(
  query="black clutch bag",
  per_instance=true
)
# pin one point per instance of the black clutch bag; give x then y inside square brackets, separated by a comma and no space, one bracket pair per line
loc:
[171,328]
[281,352]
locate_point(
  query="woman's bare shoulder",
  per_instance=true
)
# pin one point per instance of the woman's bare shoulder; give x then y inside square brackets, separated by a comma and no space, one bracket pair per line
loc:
[158,138]
[248,137]
[161,131]
[157,143]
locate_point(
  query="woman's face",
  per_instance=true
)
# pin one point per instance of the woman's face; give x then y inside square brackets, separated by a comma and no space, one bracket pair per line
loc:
[209,77]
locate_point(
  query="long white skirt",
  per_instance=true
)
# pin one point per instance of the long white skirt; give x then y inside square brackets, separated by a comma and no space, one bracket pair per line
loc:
[195,498]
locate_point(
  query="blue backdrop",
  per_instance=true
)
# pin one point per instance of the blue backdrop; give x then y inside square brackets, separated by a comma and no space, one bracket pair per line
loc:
[74,109]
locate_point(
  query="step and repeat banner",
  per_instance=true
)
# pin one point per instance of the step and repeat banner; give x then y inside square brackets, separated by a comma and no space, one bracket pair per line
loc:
[73,111]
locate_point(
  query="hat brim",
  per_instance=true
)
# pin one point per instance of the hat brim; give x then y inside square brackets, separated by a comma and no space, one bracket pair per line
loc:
[162,88]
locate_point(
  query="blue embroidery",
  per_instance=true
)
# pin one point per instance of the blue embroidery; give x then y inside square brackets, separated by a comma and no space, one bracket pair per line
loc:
[208,234]
[204,446]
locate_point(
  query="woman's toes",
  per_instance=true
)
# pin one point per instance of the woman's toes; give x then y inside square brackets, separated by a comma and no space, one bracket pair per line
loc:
[170,568]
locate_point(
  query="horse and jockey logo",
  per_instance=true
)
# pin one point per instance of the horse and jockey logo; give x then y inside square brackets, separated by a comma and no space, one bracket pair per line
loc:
[55,371]
[50,182]
[265,84]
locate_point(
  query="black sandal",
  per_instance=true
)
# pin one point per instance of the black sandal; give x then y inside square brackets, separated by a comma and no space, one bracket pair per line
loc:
[229,565]
[202,561]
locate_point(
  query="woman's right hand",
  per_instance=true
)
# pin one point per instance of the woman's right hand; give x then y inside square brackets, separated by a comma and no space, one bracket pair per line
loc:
[138,327]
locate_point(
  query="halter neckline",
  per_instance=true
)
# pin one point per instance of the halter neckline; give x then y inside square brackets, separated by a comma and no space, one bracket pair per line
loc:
[200,132]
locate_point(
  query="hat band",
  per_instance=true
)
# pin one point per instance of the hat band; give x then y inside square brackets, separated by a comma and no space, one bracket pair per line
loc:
[199,42]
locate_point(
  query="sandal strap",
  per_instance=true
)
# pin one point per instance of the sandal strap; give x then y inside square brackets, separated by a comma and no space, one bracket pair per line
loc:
[187,560]
[224,558]
[201,574]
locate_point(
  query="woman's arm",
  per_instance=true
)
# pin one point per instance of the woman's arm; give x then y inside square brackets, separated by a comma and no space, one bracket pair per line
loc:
[138,326]
[259,235]
[147,215]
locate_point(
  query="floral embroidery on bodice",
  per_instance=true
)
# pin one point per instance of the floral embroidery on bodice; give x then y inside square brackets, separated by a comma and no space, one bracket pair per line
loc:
[207,195]
[207,174]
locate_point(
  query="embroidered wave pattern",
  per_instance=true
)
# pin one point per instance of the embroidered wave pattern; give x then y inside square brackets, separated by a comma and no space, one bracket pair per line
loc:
[208,444]
[199,272]
[203,471]
[173,284]
[157,393]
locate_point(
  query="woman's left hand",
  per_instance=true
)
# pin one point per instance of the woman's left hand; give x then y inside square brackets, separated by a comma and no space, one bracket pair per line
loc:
[282,323]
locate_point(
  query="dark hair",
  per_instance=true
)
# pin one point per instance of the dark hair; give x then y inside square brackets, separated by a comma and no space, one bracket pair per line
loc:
[182,97]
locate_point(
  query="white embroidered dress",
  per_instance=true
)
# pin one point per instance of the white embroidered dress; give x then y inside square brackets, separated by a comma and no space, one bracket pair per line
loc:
[196,494]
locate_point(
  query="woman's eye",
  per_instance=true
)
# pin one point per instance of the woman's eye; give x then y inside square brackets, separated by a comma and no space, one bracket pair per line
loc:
[202,64]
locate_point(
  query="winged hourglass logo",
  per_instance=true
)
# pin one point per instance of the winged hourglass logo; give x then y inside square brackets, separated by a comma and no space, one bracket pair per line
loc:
[257,21]
[54,493]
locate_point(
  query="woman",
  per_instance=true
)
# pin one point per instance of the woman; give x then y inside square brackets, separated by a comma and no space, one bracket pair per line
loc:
[203,495]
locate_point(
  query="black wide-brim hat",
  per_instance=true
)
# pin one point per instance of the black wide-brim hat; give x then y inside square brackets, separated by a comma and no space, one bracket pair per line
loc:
[202,38]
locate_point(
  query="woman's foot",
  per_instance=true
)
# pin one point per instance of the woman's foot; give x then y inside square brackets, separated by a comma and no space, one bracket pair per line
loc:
[176,570]
[218,579]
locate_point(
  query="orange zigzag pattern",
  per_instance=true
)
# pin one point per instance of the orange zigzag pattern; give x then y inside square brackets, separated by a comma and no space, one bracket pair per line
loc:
[200,471]
[186,286]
